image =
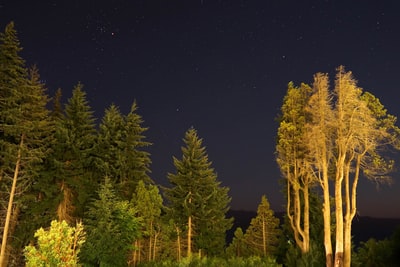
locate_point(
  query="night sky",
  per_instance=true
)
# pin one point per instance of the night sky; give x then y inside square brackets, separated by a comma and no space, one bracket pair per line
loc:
[219,66]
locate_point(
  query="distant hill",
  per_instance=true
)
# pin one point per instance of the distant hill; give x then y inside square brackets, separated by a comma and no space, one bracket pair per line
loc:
[363,228]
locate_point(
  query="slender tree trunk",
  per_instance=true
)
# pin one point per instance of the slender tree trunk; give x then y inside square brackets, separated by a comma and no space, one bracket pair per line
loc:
[150,241]
[351,199]
[155,245]
[264,235]
[306,219]
[339,215]
[10,204]
[347,220]
[189,237]
[326,210]
[178,241]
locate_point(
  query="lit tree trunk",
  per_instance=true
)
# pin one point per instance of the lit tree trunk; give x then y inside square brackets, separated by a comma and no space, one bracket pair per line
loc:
[264,235]
[10,204]
[351,204]
[178,241]
[189,237]
[150,241]
[155,245]
[339,212]
[300,228]
[135,252]
[326,210]
[189,234]
[306,219]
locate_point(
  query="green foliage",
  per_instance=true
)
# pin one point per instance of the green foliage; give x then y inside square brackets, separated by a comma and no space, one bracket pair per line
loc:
[58,246]
[216,262]
[238,247]
[120,150]
[112,227]
[379,253]
[196,192]
[148,204]
[26,127]
[76,137]
[262,236]
[314,258]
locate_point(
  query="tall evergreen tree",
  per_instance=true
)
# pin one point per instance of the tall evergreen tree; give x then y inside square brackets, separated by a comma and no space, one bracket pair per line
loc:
[137,159]
[121,150]
[25,131]
[197,201]
[76,137]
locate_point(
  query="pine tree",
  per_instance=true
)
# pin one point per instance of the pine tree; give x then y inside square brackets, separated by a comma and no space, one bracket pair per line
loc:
[25,130]
[76,137]
[111,144]
[237,248]
[121,153]
[262,235]
[137,159]
[197,202]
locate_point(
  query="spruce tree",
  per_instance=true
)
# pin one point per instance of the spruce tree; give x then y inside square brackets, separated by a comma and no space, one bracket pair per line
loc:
[76,137]
[197,201]
[137,159]
[121,150]
[262,236]
[25,133]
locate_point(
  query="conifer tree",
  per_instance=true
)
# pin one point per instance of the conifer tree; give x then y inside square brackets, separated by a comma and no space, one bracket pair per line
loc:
[197,201]
[137,159]
[262,235]
[76,137]
[237,248]
[25,130]
[120,152]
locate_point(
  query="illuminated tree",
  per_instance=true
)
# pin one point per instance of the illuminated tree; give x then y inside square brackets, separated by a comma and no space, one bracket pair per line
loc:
[57,246]
[293,162]
[345,134]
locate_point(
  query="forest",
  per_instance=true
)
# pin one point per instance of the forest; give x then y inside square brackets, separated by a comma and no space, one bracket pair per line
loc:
[77,193]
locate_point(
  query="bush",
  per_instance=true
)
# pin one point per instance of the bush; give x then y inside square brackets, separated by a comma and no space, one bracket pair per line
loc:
[58,246]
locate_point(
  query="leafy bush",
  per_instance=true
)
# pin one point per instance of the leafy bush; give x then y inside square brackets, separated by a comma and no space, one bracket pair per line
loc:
[58,246]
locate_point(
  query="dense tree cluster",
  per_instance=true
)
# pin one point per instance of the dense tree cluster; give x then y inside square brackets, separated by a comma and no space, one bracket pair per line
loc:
[328,139]
[58,165]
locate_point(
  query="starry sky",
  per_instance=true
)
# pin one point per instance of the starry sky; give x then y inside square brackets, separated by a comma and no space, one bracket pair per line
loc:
[221,66]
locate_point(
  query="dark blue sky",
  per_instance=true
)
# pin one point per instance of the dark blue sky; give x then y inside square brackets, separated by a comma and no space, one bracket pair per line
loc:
[219,66]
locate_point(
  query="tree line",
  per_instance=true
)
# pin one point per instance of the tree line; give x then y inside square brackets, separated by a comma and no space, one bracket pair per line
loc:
[76,193]
[57,164]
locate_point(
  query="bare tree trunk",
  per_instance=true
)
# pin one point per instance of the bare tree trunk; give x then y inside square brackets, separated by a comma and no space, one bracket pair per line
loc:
[339,214]
[306,219]
[351,204]
[264,235]
[134,254]
[326,210]
[10,204]
[178,241]
[150,241]
[155,245]
[189,237]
